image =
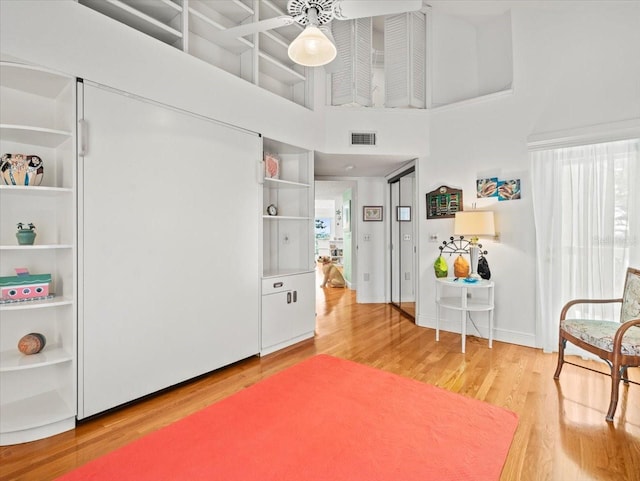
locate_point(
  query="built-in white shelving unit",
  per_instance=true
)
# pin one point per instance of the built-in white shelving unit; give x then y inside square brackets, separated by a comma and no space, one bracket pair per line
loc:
[288,277]
[194,26]
[37,117]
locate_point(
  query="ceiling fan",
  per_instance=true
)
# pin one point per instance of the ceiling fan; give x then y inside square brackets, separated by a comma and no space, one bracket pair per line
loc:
[315,45]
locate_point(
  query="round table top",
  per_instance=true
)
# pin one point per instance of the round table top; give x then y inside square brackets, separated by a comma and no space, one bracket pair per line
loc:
[463,282]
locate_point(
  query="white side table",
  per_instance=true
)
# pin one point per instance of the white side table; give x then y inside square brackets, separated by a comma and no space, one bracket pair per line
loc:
[464,304]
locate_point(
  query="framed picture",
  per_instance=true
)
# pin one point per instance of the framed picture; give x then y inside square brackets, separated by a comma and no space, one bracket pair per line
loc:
[346,216]
[509,189]
[487,187]
[444,202]
[271,166]
[372,213]
[404,213]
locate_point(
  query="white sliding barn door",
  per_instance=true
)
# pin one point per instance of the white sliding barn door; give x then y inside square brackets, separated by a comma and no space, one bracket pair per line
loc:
[169,248]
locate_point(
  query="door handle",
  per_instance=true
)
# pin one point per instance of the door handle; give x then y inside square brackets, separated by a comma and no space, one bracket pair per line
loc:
[289,297]
[295,296]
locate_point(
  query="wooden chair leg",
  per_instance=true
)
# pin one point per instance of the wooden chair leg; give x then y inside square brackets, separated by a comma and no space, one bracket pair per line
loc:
[615,387]
[625,375]
[561,346]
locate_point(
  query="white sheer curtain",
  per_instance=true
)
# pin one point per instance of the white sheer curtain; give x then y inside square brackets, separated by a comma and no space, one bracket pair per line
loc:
[586,203]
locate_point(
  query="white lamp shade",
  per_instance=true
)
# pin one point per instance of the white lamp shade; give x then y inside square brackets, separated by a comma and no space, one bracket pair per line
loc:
[475,223]
[312,48]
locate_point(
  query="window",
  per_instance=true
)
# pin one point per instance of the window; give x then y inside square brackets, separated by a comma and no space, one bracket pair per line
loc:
[587,214]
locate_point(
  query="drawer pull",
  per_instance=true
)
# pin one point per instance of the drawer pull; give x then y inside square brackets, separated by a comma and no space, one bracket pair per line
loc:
[278,284]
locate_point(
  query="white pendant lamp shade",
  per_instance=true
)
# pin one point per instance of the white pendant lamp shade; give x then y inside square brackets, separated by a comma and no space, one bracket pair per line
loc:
[312,48]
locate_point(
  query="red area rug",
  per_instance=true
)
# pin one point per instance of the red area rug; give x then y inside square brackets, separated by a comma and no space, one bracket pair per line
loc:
[325,419]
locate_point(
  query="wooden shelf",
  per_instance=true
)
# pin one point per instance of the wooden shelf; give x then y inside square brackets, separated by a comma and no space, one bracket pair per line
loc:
[34,190]
[277,70]
[275,46]
[164,11]
[27,134]
[34,412]
[206,27]
[35,80]
[137,19]
[284,272]
[16,361]
[44,304]
[284,217]
[279,183]
[233,10]
[35,247]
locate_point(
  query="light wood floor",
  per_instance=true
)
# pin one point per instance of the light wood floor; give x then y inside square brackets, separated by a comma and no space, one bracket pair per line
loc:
[562,434]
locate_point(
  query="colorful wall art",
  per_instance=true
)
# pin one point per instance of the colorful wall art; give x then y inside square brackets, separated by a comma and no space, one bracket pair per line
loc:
[502,189]
[444,202]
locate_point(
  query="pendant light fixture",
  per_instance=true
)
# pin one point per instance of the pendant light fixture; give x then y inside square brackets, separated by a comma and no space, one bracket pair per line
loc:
[312,48]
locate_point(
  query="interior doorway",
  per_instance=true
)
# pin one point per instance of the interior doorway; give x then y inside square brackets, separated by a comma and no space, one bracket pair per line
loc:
[403,267]
[335,225]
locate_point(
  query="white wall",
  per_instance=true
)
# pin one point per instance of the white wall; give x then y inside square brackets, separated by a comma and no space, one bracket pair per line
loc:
[572,69]
[372,253]
[455,63]
[400,131]
[471,57]
[495,57]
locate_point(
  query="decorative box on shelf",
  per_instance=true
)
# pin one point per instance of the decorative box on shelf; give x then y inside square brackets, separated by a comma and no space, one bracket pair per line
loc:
[27,287]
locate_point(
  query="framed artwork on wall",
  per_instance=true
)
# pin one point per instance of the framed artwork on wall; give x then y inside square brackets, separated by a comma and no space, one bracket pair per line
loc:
[372,213]
[444,202]
[403,213]
[271,166]
[509,189]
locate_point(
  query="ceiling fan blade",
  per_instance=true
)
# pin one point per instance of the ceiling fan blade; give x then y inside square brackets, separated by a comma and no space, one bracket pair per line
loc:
[255,27]
[348,9]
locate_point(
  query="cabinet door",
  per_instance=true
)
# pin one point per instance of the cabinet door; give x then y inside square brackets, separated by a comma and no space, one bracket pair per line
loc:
[277,318]
[304,304]
[289,316]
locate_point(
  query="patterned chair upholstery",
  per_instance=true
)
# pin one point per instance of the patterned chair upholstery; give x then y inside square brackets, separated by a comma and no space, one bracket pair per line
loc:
[617,343]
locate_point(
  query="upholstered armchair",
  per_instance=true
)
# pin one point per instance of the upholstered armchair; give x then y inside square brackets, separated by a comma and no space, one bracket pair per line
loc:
[617,343]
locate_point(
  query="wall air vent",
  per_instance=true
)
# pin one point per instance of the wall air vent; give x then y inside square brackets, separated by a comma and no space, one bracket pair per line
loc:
[363,138]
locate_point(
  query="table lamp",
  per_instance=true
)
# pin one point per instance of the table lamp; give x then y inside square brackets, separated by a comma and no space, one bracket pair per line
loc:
[474,223]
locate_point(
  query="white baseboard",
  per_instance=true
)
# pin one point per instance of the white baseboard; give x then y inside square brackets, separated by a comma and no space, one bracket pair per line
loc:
[503,335]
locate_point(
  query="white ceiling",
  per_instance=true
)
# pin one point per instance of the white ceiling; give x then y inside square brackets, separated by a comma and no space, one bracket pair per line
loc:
[350,165]
[328,191]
